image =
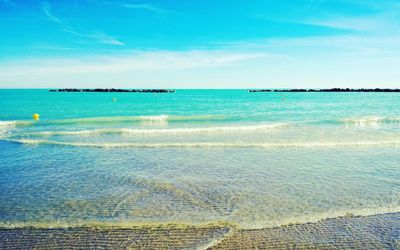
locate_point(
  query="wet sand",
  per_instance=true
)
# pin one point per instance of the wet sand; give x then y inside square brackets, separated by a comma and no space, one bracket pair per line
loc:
[371,232]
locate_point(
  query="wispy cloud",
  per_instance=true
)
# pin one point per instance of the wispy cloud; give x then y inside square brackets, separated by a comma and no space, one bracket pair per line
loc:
[382,23]
[99,37]
[54,48]
[66,27]
[146,7]
[368,54]
[46,7]
[136,61]
[287,62]
[384,19]
[106,39]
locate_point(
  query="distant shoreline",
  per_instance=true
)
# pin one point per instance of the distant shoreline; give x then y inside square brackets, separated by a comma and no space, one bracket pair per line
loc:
[115,90]
[325,90]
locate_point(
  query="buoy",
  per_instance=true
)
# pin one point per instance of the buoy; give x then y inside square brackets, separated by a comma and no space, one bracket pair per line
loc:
[35,117]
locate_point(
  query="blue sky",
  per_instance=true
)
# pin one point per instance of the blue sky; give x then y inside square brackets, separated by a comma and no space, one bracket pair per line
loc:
[199,44]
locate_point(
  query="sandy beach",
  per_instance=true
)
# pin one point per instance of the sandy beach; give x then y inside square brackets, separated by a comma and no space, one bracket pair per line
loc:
[350,232]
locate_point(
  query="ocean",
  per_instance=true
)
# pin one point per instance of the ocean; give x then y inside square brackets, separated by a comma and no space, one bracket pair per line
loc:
[253,160]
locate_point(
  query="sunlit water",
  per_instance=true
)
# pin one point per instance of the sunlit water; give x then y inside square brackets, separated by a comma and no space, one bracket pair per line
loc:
[197,156]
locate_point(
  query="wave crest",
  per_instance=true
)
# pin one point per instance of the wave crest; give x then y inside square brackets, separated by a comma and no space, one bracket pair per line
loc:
[7,123]
[154,119]
[166,131]
[212,144]
[6,126]
[370,120]
[282,222]
[149,118]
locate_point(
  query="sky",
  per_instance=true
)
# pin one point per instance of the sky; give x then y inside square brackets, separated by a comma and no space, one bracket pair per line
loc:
[199,44]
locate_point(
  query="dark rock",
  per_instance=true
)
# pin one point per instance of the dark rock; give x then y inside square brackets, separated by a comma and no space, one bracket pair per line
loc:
[327,90]
[116,90]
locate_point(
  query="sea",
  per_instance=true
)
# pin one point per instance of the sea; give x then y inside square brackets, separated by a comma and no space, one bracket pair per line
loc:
[253,160]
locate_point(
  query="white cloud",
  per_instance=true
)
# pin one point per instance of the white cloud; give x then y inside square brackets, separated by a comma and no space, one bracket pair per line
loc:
[366,58]
[138,61]
[385,19]
[143,7]
[99,36]
[340,61]
[384,23]
[46,7]
[104,38]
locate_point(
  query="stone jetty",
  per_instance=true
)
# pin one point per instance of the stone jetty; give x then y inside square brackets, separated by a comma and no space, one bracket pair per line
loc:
[115,90]
[326,90]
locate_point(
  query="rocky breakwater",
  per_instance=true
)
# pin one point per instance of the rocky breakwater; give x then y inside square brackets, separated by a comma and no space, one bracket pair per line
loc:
[115,90]
[326,90]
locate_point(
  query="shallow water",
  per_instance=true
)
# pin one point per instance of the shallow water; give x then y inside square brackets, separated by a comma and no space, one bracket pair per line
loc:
[197,156]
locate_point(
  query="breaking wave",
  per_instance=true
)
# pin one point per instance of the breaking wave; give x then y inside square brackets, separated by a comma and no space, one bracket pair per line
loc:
[125,119]
[6,126]
[212,144]
[314,218]
[247,128]
[370,120]
[115,120]
[7,123]
[328,215]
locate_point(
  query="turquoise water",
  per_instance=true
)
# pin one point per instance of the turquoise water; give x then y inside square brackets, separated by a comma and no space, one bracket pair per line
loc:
[197,156]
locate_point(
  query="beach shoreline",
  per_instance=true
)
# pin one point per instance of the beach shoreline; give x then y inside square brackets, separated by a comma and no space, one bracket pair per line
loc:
[369,232]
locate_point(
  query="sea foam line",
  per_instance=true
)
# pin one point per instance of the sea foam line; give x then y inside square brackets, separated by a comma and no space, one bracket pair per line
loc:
[164,131]
[114,119]
[370,120]
[7,123]
[142,118]
[143,224]
[211,144]
[327,215]
[155,119]
[6,126]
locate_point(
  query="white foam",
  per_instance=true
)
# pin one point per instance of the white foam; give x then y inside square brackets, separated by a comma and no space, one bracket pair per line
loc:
[261,224]
[317,217]
[156,118]
[6,126]
[7,123]
[204,129]
[220,129]
[213,144]
[370,120]
[124,119]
